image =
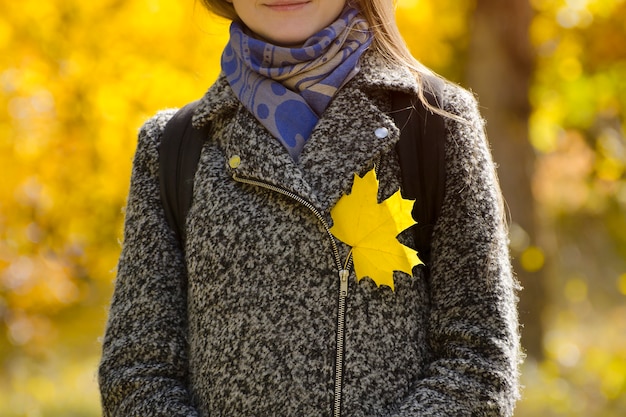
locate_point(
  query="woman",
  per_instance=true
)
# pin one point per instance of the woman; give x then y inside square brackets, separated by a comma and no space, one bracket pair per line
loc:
[245,320]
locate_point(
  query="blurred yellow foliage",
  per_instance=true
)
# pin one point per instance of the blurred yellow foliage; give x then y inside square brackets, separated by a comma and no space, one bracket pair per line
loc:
[532,259]
[77,79]
[584,373]
[621,283]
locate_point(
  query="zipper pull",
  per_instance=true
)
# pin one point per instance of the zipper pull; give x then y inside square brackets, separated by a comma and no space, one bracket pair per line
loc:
[343,280]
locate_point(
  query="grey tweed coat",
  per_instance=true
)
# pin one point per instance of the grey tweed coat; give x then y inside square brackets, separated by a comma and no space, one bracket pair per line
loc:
[244,322]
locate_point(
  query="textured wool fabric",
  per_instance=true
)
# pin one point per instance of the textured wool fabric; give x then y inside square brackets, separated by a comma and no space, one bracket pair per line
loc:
[287,89]
[248,329]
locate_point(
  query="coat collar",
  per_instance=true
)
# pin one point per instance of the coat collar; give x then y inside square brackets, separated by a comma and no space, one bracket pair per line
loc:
[350,136]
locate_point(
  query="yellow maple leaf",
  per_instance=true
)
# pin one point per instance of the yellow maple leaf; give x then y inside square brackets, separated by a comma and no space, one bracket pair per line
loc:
[371,229]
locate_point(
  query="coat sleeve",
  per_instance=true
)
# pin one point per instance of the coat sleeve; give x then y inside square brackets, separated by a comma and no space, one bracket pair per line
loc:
[473,331]
[143,370]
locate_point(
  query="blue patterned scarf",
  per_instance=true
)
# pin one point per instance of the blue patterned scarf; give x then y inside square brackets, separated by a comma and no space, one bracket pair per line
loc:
[288,89]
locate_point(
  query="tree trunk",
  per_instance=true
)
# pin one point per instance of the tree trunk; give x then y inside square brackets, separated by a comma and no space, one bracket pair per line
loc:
[499,69]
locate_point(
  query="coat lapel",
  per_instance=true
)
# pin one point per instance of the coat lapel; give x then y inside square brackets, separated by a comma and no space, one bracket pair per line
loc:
[348,140]
[261,157]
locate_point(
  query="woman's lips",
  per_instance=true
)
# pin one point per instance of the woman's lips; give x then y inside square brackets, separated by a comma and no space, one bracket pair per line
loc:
[287,6]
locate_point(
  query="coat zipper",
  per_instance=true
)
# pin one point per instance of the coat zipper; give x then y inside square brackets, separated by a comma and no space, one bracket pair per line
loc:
[343,271]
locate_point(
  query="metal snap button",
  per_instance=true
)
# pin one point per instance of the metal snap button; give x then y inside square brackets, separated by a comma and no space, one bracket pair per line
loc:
[234,161]
[381,132]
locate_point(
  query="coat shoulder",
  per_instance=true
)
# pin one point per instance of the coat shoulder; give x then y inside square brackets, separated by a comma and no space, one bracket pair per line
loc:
[463,103]
[149,140]
[152,128]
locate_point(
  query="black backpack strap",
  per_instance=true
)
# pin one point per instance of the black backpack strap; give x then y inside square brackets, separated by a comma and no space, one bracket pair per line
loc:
[179,154]
[421,153]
